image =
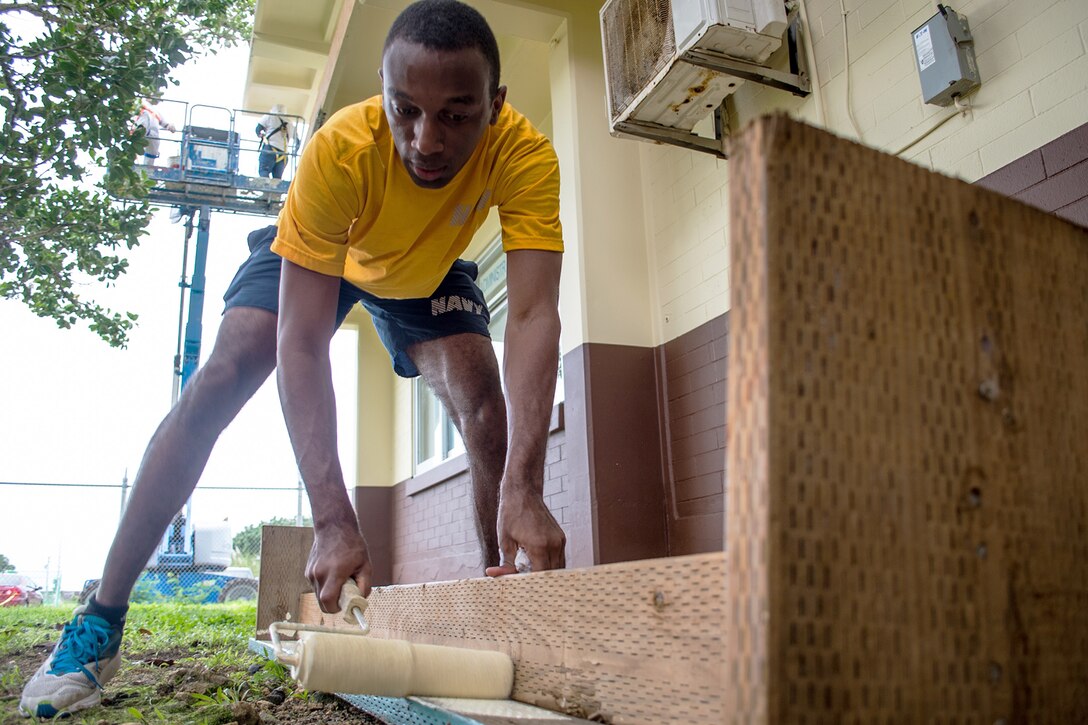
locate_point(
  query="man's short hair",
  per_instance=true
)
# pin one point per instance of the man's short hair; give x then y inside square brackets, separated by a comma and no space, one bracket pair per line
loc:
[447,25]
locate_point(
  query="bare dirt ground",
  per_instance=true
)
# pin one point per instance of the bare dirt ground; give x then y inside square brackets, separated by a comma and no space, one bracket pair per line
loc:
[184,685]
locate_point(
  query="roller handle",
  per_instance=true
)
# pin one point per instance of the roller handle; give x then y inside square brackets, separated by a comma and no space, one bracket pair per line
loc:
[353,604]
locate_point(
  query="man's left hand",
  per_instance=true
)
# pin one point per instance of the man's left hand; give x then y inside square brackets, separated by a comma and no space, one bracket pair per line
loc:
[526,523]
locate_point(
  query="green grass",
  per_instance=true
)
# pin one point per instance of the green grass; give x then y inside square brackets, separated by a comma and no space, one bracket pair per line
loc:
[23,627]
[177,636]
[150,627]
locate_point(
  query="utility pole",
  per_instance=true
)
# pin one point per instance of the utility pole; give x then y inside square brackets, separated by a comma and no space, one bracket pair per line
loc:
[124,491]
[56,580]
[298,509]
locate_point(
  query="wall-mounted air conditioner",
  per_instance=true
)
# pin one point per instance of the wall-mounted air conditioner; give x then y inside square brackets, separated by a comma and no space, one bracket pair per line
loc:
[645,42]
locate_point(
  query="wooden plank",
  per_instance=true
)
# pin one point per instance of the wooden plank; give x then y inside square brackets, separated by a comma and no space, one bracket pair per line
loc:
[284,551]
[637,642]
[907,420]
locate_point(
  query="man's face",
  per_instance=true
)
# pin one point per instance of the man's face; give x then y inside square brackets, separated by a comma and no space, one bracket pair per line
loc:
[438,106]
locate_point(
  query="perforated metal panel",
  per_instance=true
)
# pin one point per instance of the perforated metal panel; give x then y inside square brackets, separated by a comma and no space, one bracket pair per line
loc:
[400,711]
[500,712]
[638,43]
[637,642]
[908,416]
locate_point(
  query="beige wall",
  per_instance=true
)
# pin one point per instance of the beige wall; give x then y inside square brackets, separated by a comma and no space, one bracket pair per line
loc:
[606,267]
[290,49]
[1034,68]
[379,437]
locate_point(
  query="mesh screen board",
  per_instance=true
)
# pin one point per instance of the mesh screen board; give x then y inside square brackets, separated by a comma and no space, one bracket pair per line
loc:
[907,444]
[639,42]
[284,551]
[397,711]
[638,642]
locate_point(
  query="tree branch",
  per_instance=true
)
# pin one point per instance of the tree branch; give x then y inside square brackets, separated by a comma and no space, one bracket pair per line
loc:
[36,9]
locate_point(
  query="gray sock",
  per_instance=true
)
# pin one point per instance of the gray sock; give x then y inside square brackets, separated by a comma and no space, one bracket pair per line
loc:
[114,615]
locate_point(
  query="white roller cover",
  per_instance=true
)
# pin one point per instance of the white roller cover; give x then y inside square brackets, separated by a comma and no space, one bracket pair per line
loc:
[356,665]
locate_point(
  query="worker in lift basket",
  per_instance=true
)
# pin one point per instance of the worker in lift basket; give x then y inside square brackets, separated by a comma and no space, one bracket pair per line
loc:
[152,123]
[388,195]
[275,132]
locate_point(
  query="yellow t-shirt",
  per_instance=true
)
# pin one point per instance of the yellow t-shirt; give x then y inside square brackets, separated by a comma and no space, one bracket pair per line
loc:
[353,211]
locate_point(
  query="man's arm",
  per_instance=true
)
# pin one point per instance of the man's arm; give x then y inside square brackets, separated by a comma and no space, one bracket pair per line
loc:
[307,321]
[530,364]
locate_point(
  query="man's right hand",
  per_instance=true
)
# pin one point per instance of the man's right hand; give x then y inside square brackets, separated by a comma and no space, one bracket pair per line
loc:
[339,552]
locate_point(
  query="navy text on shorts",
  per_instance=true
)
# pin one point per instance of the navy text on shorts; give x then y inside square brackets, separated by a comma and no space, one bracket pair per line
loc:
[456,307]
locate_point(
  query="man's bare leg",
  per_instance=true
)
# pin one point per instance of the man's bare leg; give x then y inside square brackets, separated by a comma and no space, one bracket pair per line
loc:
[464,374]
[242,358]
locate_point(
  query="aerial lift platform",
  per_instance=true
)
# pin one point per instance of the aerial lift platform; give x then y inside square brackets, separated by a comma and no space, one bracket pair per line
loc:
[208,166]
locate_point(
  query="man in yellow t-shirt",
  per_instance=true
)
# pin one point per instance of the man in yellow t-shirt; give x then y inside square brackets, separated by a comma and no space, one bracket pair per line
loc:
[387,196]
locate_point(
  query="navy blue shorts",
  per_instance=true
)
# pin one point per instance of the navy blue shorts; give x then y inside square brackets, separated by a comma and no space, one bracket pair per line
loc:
[456,307]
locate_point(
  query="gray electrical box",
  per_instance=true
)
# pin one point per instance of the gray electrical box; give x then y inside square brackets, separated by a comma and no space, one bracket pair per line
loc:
[944,52]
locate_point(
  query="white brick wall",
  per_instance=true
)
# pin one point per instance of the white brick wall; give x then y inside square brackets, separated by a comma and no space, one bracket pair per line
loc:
[1034,66]
[1031,56]
[686,194]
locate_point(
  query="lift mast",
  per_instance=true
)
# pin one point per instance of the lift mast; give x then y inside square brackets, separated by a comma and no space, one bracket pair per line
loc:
[208,167]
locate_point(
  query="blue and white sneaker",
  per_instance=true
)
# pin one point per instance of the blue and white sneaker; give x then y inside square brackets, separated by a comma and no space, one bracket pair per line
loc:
[71,679]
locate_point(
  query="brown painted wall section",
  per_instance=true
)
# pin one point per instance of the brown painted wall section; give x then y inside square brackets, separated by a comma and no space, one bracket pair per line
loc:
[623,449]
[693,395]
[1053,178]
[374,511]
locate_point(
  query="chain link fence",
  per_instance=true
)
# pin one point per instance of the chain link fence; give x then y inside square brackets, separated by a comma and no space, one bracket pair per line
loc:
[58,537]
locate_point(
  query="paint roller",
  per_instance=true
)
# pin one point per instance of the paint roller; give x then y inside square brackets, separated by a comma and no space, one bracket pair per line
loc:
[348,662]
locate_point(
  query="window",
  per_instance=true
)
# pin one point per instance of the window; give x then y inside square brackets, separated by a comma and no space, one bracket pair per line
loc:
[436,438]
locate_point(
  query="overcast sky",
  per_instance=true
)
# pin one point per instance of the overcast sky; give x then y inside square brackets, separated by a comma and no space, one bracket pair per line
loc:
[76,411]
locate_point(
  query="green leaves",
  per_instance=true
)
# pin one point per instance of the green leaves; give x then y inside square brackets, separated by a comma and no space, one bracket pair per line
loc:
[72,75]
[247,542]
